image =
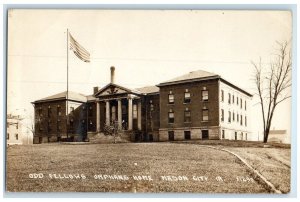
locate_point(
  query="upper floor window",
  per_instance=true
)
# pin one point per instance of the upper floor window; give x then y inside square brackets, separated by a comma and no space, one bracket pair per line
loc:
[171,116]
[187,97]
[205,95]
[7,136]
[237,117]
[49,111]
[229,98]
[233,116]
[229,116]
[232,99]
[17,136]
[17,125]
[241,103]
[222,114]
[90,111]
[245,120]
[171,98]
[205,114]
[187,115]
[245,105]
[222,95]
[40,111]
[58,111]
[237,100]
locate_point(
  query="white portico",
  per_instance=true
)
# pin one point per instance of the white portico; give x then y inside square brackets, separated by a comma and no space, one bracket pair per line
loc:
[117,103]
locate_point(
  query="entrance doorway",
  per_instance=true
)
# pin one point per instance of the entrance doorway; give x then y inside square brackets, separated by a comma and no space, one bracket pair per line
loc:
[204,134]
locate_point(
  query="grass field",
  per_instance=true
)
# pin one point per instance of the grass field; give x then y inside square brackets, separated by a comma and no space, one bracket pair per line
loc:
[166,167]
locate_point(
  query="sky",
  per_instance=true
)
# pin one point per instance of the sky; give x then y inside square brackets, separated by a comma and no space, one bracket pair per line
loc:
[146,47]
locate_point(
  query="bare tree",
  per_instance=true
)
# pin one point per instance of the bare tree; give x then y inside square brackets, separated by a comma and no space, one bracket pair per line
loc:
[271,84]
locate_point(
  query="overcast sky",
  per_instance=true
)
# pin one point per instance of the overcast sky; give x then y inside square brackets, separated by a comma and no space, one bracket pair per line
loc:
[146,47]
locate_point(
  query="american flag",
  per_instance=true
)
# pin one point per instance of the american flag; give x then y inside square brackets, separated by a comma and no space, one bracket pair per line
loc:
[78,50]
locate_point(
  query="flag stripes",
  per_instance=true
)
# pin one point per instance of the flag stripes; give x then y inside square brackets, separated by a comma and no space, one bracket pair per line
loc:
[78,50]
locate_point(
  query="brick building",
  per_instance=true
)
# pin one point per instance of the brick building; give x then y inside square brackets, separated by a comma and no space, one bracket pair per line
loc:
[192,106]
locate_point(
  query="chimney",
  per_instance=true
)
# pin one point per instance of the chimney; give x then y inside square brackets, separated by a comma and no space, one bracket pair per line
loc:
[112,74]
[96,89]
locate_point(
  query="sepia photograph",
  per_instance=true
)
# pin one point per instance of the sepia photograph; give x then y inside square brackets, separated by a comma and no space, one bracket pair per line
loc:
[149,101]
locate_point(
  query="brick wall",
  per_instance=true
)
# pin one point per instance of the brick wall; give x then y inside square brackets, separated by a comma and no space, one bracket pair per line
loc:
[195,106]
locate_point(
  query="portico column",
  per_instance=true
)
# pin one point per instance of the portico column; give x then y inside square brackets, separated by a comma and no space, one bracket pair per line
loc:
[107,112]
[98,116]
[139,115]
[129,113]
[120,113]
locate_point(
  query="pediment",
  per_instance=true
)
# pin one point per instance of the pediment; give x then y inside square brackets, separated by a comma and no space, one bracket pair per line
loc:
[112,89]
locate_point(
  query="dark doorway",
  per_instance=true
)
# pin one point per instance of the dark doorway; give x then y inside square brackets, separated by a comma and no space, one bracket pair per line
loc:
[171,135]
[204,134]
[150,138]
[187,135]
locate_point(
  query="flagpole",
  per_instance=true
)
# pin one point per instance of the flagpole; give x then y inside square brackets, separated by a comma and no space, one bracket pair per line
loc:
[67,82]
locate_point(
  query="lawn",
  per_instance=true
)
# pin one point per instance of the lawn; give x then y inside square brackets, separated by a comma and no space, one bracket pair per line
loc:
[273,162]
[139,167]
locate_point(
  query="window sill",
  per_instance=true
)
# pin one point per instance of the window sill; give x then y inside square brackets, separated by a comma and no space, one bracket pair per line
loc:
[171,104]
[187,122]
[186,103]
[204,121]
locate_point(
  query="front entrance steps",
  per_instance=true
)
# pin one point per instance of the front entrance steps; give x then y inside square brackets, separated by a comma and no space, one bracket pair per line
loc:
[95,137]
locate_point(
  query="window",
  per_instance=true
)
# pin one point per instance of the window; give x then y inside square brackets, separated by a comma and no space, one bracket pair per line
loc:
[151,106]
[241,120]
[134,113]
[58,111]
[233,116]
[17,125]
[222,95]
[205,95]
[229,116]
[49,126]
[229,98]
[223,134]
[245,105]
[17,136]
[237,100]
[187,135]
[40,111]
[237,117]
[187,97]
[7,136]
[235,135]
[58,126]
[171,135]
[222,114]
[187,115]
[232,99]
[245,120]
[241,103]
[205,114]
[171,99]
[124,109]
[90,111]
[171,117]
[49,111]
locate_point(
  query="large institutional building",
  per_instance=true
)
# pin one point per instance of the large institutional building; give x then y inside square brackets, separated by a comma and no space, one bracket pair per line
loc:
[198,105]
